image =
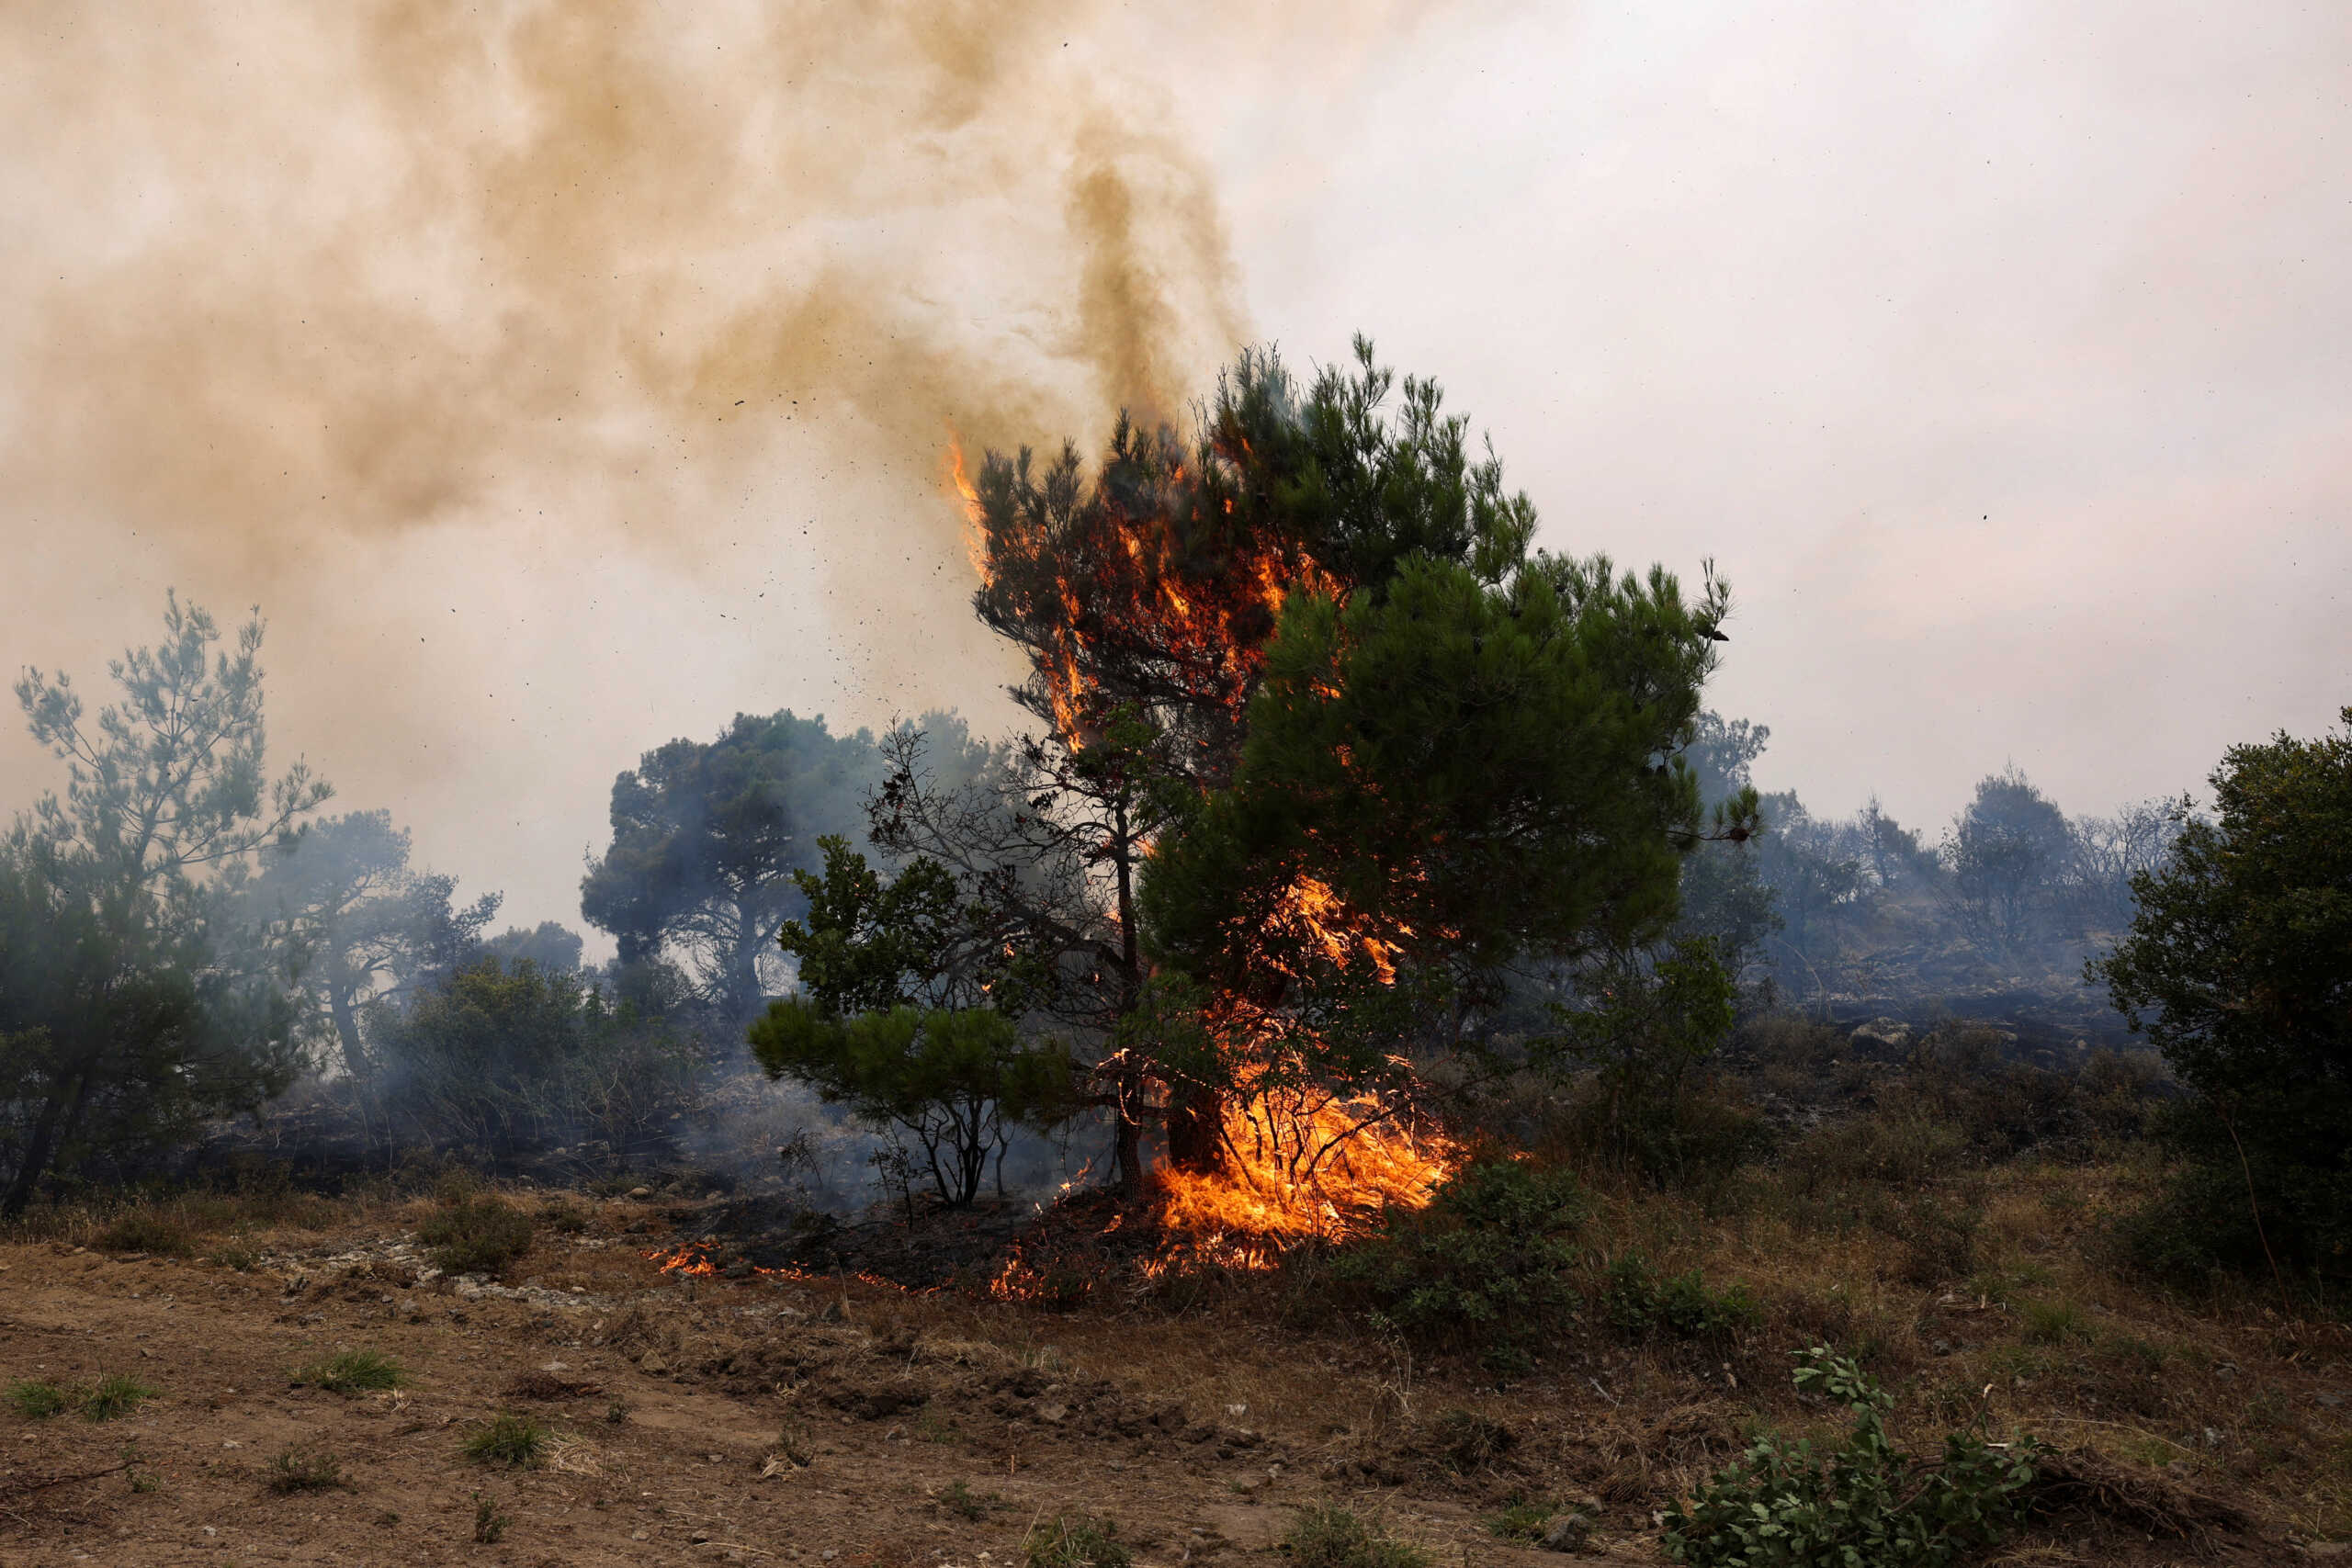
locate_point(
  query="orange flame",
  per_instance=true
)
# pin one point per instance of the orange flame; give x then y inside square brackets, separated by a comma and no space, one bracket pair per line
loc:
[1302,1163]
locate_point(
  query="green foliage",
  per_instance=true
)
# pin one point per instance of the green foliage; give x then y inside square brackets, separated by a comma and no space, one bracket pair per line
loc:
[1863,1502]
[1326,1535]
[490,1523]
[958,1499]
[509,1057]
[2238,965]
[2054,1322]
[2006,854]
[870,944]
[476,1235]
[37,1400]
[1074,1541]
[1519,1521]
[705,836]
[951,1078]
[295,1470]
[353,1371]
[1648,1022]
[1485,1268]
[343,897]
[1468,768]
[518,1442]
[127,1013]
[114,1396]
[1640,1305]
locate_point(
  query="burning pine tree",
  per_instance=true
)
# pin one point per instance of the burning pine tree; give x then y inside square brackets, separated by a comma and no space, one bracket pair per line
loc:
[1326,748]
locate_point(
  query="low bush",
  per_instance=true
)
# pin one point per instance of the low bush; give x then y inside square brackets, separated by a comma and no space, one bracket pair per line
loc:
[1074,1541]
[1637,1303]
[353,1371]
[115,1396]
[2055,1322]
[144,1228]
[1485,1268]
[1864,1503]
[518,1442]
[1328,1536]
[489,1525]
[294,1470]
[37,1401]
[476,1236]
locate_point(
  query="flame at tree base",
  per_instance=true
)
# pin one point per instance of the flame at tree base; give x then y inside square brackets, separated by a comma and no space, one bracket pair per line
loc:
[1300,1165]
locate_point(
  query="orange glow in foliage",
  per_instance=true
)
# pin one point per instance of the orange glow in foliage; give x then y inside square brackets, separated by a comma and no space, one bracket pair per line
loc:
[1300,1163]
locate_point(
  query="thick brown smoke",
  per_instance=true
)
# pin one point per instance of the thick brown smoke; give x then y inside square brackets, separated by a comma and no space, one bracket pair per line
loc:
[563,375]
[358,267]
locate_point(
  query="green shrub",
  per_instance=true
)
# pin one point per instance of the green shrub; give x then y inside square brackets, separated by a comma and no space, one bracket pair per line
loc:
[1074,1541]
[1637,1303]
[1327,1536]
[243,1259]
[1865,1504]
[143,1228]
[37,1401]
[293,1470]
[1484,1268]
[115,1396]
[476,1236]
[489,1525]
[2054,1322]
[353,1371]
[515,1442]
[1521,1521]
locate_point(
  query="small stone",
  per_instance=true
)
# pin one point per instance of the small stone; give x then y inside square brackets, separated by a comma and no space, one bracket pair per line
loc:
[2212,1438]
[640,1192]
[1053,1414]
[700,1537]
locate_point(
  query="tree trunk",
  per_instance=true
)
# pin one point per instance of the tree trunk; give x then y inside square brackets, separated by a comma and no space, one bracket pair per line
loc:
[346,1030]
[38,1151]
[1196,1130]
[1129,1151]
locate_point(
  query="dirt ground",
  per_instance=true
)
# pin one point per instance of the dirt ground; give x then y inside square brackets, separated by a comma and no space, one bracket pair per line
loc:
[764,1419]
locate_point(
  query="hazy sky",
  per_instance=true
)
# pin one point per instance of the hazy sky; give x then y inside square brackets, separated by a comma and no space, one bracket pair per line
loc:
[562,380]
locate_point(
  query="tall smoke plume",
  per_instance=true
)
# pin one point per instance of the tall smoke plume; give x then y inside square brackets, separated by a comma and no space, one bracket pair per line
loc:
[348,309]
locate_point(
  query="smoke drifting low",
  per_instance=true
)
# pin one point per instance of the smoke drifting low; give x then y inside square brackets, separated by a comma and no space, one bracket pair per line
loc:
[434,327]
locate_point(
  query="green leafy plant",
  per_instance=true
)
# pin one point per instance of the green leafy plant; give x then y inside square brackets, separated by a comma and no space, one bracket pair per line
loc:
[37,1401]
[959,1499]
[514,1442]
[476,1236]
[1863,1504]
[1484,1268]
[1519,1521]
[353,1371]
[1328,1536]
[115,1396]
[1074,1541]
[294,1470]
[1639,1305]
[489,1525]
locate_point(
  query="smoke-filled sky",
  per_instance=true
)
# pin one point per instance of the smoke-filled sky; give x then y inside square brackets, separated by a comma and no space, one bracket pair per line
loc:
[563,378]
